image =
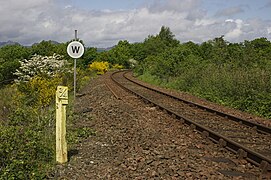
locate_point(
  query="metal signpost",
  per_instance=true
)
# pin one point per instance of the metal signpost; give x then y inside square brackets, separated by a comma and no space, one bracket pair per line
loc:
[75,50]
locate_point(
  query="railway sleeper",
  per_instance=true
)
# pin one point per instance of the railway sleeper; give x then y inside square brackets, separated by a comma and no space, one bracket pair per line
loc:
[173,116]
[182,121]
[265,166]
[205,134]
[193,126]
[241,154]
[222,143]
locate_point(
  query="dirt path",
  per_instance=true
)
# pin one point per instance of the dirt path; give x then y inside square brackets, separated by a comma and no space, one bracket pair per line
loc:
[137,141]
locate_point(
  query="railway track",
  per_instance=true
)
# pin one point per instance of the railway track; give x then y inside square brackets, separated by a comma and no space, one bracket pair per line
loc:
[248,140]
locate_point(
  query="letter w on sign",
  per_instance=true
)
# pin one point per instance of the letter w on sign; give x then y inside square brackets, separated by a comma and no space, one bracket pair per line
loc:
[75,49]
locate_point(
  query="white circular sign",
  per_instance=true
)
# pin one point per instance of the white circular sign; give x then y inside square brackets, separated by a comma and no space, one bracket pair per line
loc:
[75,49]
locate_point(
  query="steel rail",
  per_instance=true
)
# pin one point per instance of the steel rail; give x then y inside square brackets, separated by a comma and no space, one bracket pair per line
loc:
[258,127]
[243,152]
[111,90]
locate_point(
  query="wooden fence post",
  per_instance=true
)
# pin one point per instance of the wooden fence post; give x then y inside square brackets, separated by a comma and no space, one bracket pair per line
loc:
[61,144]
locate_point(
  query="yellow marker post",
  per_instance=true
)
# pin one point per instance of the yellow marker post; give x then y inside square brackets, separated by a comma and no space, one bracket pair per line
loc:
[61,144]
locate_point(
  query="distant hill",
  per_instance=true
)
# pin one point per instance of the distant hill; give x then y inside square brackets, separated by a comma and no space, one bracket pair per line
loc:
[16,43]
[51,41]
[104,49]
[8,43]
[54,42]
[101,49]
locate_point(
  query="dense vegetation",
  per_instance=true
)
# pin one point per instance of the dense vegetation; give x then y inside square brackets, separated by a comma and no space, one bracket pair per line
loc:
[29,77]
[233,74]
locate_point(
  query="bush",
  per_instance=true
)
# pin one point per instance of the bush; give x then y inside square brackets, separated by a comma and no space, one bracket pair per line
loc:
[39,91]
[99,67]
[6,102]
[6,71]
[24,153]
[44,66]
[117,66]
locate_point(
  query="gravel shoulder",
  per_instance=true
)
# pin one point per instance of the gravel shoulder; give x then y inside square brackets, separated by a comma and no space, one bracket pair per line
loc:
[136,141]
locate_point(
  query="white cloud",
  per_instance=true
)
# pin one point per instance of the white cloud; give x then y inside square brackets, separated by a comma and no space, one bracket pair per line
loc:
[204,22]
[31,21]
[229,20]
[68,6]
[236,32]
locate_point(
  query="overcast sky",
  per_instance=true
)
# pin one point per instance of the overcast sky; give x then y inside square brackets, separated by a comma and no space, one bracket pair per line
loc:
[102,23]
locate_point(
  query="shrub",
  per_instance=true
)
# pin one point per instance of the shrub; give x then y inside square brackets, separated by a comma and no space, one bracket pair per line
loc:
[24,157]
[6,102]
[45,66]
[39,91]
[6,71]
[117,66]
[99,67]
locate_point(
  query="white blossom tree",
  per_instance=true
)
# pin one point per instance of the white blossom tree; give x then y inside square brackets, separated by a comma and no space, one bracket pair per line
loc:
[45,66]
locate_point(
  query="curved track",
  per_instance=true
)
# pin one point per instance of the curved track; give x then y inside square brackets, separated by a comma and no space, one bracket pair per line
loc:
[249,140]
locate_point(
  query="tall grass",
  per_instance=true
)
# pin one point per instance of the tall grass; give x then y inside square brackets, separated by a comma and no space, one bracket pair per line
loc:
[6,102]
